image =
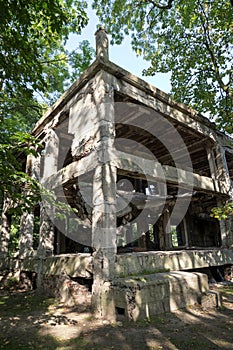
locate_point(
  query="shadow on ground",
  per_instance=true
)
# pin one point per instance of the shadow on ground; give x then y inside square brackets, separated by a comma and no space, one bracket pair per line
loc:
[28,321]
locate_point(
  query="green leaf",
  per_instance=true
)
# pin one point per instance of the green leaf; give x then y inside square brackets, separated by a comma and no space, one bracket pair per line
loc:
[192,40]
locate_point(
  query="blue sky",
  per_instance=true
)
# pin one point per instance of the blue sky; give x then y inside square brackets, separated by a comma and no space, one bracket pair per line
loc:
[122,55]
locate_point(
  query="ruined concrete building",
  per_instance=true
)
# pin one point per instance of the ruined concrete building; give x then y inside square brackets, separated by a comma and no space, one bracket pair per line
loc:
[143,173]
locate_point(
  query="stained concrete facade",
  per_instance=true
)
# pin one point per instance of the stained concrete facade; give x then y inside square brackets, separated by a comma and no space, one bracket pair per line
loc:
[143,173]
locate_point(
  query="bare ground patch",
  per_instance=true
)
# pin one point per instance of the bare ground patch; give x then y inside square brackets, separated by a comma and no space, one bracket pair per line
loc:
[29,321]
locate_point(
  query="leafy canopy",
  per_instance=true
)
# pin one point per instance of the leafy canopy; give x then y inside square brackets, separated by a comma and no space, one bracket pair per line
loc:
[191,38]
[32,53]
[32,33]
[35,67]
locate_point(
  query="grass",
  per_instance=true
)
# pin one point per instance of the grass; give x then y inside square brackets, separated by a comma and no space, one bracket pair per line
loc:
[21,303]
[227,290]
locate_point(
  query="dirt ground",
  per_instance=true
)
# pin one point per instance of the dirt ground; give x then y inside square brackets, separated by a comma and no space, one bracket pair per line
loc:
[28,321]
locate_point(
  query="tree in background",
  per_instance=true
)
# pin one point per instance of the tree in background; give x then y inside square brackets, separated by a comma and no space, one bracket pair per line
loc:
[35,67]
[192,39]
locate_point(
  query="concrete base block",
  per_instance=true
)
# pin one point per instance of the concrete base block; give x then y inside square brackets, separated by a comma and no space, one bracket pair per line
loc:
[144,296]
[211,299]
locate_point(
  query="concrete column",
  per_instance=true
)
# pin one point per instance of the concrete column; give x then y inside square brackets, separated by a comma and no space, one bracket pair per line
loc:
[186,236]
[225,183]
[104,217]
[226,229]
[226,236]
[167,230]
[37,167]
[51,154]
[5,228]
[102,44]
[222,169]
[26,235]
[230,240]
[104,238]
[46,235]
[213,168]
[27,219]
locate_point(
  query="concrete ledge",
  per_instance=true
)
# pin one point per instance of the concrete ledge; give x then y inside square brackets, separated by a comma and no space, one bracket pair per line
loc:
[145,296]
[126,264]
[152,262]
[74,265]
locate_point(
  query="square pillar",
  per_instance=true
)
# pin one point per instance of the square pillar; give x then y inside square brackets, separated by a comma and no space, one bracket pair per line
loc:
[222,169]
[214,170]
[167,230]
[225,182]
[50,159]
[46,235]
[104,218]
[230,237]
[27,218]
[26,235]
[104,239]
[5,228]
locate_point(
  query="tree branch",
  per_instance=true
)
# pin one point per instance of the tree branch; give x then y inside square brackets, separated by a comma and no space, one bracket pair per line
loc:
[158,5]
[207,43]
[164,7]
[54,61]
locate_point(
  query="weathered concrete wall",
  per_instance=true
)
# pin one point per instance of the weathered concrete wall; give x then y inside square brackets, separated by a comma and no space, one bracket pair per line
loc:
[83,122]
[131,263]
[66,290]
[74,265]
[148,295]
[81,265]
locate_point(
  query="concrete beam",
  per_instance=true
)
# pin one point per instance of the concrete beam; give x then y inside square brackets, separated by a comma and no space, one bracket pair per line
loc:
[139,168]
[160,102]
[157,172]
